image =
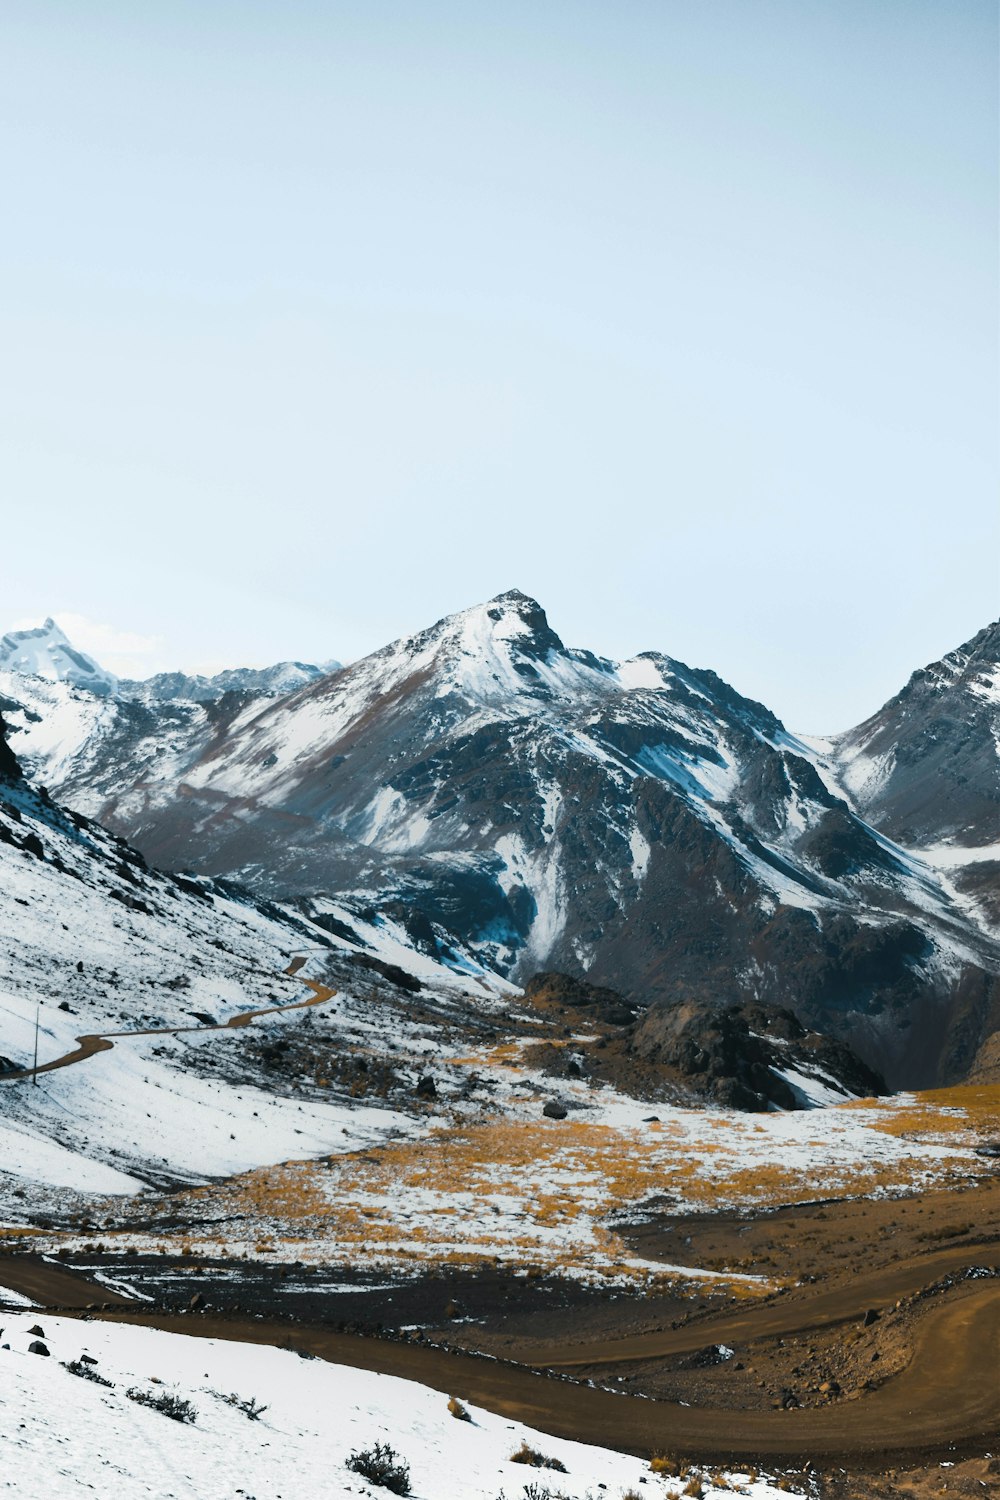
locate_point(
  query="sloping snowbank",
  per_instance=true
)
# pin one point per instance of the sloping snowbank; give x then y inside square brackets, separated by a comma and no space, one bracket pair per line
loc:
[66,1437]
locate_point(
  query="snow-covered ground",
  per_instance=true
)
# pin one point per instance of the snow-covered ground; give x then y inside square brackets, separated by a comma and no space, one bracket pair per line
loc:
[505,1187]
[66,1437]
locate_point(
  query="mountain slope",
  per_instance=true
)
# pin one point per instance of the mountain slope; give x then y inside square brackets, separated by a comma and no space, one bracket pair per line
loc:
[88,734]
[641,823]
[100,946]
[926,767]
[926,770]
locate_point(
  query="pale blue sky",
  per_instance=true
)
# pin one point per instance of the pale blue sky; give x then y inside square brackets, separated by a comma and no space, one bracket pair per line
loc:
[320,321]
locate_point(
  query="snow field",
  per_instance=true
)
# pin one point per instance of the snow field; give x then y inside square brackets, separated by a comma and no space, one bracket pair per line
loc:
[66,1437]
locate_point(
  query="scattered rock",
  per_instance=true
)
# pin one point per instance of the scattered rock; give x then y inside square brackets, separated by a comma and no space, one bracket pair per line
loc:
[426,1088]
[555,1111]
[35,1329]
[37,1347]
[871,1316]
[196,1301]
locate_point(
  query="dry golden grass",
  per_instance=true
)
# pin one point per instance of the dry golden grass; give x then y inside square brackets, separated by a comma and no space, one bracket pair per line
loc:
[525,1192]
[943,1112]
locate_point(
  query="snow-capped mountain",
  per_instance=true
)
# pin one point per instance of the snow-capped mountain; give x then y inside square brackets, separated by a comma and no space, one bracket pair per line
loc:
[926,767]
[926,770]
[639,822]
[83,731]
[46,652]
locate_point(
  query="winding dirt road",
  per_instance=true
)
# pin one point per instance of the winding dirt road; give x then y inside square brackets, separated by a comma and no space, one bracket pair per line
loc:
[93,1042]
[801,1311]
[945,1402]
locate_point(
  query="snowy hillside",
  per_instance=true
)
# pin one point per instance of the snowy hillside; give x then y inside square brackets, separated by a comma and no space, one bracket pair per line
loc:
[926,767]
[87,1428]
[99,946]
[85,733]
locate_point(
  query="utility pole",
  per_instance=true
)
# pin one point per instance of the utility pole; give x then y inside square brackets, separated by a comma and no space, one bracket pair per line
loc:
[34,1071]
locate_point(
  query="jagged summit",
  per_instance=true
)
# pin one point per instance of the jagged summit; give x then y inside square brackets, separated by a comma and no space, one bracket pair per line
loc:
[46,651]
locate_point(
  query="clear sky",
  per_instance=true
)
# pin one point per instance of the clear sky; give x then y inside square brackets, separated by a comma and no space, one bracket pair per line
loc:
[321,320]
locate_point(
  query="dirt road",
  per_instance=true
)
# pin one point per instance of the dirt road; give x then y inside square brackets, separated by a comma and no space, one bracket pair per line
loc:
[802,1311]
[945,1402]
[93,1042]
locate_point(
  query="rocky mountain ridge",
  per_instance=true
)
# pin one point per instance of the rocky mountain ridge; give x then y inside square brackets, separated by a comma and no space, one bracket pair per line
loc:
[640,823]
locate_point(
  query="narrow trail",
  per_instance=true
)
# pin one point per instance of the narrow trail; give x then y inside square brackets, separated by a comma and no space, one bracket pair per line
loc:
[91,1043]
[944,1403]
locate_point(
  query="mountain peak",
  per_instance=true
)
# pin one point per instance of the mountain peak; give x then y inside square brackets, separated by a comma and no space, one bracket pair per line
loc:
[46,651]
[516,598]
[536,637]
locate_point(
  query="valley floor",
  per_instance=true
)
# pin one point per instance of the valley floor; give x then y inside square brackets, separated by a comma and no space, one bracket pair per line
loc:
[880,1364]
[816,1294]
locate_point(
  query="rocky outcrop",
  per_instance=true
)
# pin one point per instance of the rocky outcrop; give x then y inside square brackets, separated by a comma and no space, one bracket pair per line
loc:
[752,1057]
[10,771]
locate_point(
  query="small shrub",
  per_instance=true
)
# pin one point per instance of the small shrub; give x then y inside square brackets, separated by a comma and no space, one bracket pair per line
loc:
[248,1405]
[662,1463]
[87,1372]
[458,1410]
[383,1466]
[694,1487]
[168,1402]
[527,1455]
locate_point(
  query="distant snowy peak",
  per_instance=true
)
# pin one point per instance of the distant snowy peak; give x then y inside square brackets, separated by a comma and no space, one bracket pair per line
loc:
[46,651]
[263,682]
